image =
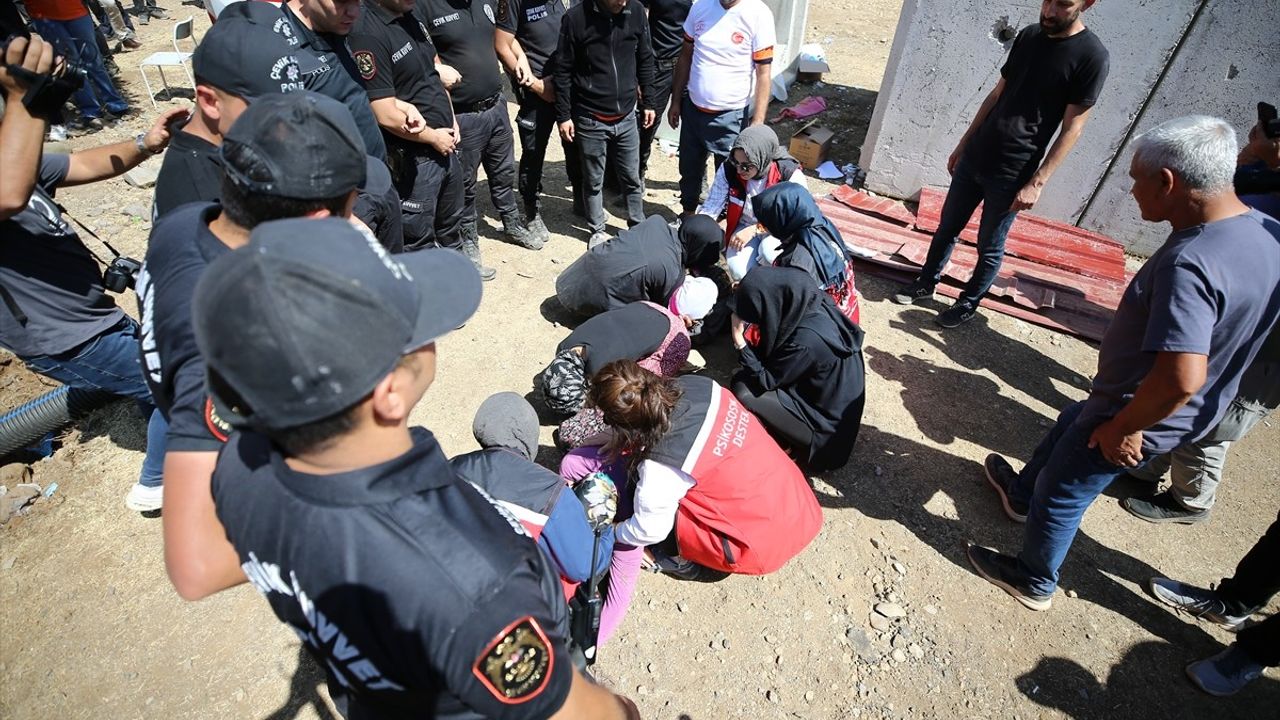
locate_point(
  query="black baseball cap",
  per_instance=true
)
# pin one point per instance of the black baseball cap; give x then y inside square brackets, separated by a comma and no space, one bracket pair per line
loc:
[244,55]
[302,145]
[305,320]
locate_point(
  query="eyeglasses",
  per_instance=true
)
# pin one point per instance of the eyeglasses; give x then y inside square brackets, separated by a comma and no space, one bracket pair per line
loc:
[743,167]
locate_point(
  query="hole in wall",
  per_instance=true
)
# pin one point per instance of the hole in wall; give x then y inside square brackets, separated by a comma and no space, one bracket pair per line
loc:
[1002,31]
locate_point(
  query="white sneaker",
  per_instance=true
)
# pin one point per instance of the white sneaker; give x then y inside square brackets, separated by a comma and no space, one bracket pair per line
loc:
[57,133]
[144,499]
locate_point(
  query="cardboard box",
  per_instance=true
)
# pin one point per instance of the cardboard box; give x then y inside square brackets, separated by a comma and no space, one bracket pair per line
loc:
[810,145]
[810,70]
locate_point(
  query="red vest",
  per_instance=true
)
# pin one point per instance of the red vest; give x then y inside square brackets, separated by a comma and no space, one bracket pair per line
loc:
[738,195]
[751,509]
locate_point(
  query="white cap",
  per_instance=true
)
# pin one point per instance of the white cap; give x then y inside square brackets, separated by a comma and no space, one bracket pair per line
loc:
[695,297]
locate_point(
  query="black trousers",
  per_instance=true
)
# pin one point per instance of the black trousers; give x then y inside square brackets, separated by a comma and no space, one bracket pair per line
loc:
[789,430]
[1255,582]
[536,124]
[430,187]
[661,96]
[487,140]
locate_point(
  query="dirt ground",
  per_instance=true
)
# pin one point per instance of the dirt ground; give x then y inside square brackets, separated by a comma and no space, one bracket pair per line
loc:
[89,626]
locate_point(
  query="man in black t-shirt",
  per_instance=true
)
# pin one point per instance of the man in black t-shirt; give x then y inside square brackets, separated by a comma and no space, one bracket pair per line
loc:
[463,33]
[292,155]
[55,313]
[418,594]
[1053,75]
[397,63]
[526,38]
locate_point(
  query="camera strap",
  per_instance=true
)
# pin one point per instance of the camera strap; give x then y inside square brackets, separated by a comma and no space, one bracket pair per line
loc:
[115,253]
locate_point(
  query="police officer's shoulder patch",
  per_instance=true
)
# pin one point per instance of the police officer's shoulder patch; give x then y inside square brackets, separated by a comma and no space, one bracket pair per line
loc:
[218,427]
[502,10]
[516,666]
[365,64]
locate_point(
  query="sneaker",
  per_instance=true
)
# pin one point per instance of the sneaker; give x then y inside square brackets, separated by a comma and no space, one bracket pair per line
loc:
[956,315]
[1196,601]
[143,18]
[1001,476]
[598,239]
[158,13]
[1163,508]
[57,133]
[85,124]
[1002,571]
[143,498]
[1225,673]
[538,228]
[912,293]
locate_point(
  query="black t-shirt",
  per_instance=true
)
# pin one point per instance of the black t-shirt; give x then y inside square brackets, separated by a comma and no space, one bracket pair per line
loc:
[631,332]
[419,596]
[190,172]
[396,58]
[1042,76]
[536,25]
[666,26]
[179,249]
[327,68]
[51,294]
[463,33]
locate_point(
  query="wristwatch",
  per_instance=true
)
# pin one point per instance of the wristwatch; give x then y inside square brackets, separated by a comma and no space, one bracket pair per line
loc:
[140,140]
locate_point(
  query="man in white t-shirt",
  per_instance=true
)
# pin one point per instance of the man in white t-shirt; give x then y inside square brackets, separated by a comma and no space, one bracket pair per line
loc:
[728,47]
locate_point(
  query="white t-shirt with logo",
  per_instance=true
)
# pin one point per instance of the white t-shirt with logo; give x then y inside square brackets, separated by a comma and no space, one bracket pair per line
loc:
[727,46]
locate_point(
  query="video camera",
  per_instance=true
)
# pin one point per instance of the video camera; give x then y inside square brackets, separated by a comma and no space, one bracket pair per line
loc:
[47,92]
[121,274]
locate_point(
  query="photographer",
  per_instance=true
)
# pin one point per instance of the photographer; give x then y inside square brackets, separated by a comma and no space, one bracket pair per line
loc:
[55,314]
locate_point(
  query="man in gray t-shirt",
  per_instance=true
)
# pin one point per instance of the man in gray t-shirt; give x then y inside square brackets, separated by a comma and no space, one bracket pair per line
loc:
[1188,325]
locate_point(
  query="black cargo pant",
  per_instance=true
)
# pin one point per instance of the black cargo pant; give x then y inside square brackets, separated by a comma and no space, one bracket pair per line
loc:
[1255,582]
[536,124]
[430,188]
[487,140]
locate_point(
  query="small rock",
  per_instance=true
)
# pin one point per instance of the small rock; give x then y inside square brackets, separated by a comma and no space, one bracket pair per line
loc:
[642,690]
[650,668]
[777,660]
[875,543]
[135,210]
[724,643]
[7,563]
[898,641]
[900,568]
[143,176]
[770,639]
[772,695]
[899,656]
[238,695]
[861,644]
[1073,594]
[680,607]
[890,610]
[932,610]
[879,471]
[808,696]
[915,650]
[555,261]
[880,622]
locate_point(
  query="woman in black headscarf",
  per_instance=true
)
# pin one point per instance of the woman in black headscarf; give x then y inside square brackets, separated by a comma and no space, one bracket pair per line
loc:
[646,262]
[802,372]
[810,242]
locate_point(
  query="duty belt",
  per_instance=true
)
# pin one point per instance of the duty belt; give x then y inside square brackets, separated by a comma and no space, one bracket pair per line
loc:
[478,107]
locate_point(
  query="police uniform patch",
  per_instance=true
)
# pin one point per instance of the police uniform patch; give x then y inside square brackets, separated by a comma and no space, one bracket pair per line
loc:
[220,428]
[502,10]
[488,12]
[517,665]
[365,64]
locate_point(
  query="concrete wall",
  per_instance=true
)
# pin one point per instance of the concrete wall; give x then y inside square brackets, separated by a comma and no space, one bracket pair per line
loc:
[946,56]
[1229,61]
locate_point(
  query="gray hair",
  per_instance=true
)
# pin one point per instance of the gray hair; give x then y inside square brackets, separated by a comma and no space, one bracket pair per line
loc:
[1199,149]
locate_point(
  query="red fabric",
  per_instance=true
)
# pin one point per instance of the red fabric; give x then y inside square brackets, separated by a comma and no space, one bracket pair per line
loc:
[738,196]
[750,498]
[56,9]
[846,297]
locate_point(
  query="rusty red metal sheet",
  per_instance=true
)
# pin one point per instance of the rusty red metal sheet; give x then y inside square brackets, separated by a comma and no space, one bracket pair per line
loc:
[881,207]
[1036,238]
[1040,292]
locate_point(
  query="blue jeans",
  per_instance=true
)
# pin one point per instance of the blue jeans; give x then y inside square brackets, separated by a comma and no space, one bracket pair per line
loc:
[702,134]
[112,362]
[1059,484]
[75,40]
[618,141]
[966,191]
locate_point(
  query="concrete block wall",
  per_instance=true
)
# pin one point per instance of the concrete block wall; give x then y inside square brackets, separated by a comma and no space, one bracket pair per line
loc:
[946,57]
[1228,62]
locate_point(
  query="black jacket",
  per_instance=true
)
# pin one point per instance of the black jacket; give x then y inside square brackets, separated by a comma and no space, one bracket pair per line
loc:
[601,59]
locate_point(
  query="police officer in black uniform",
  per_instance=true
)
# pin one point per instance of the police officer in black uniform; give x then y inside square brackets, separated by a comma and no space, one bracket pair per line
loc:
[417,593]
[397,62]
[463,31]
[666,32]
[526,38]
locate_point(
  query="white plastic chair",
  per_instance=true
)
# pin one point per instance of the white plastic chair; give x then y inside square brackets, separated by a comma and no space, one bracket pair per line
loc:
[184,30]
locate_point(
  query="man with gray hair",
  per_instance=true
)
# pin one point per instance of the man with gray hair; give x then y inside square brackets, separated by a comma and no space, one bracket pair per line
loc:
[1190,322]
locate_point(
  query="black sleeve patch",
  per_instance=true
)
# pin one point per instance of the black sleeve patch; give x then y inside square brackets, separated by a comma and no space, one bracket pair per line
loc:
[365,64]
[517,665]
